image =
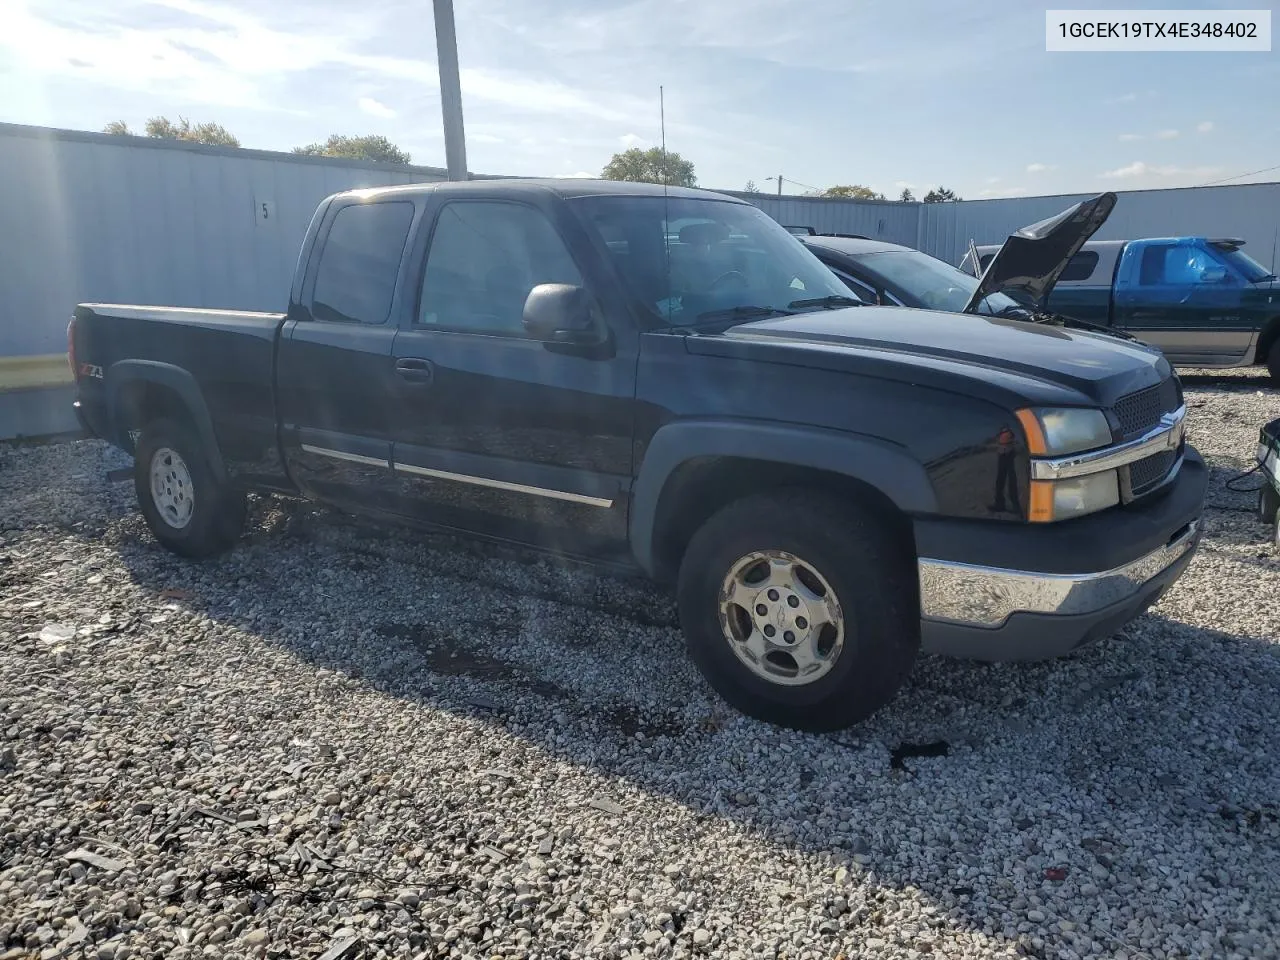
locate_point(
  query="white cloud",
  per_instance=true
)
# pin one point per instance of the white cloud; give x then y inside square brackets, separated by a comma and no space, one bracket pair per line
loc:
[629,140]
[1139,169]
[1130,137]
[1204,127]
[1167,135]
[1040,167]
[376,108]
[221,55]
[1123,98]
[580,175]
[903,185]
[993,179]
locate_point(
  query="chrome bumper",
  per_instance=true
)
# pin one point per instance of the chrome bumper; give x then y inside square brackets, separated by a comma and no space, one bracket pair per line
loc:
[986,596]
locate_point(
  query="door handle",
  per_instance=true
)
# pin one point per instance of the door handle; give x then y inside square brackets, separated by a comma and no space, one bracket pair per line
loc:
[415,370]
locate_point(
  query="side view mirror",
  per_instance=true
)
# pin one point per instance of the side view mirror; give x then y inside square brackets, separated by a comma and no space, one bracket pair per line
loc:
[558,312]
[1214,275]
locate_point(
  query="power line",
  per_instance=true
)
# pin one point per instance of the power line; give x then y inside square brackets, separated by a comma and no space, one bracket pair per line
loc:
[1252,173]
[807,186]
[781,179]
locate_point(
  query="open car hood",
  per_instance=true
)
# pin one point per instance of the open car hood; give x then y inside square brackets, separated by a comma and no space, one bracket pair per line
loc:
[1030,261]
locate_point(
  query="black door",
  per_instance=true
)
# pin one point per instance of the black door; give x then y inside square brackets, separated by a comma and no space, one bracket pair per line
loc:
[506,435]
[335,373]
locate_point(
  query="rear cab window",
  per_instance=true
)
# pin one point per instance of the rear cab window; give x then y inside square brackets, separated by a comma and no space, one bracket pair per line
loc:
[360,262]
[1080,267]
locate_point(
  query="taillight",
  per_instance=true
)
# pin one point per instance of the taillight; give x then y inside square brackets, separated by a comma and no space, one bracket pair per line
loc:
[71,346]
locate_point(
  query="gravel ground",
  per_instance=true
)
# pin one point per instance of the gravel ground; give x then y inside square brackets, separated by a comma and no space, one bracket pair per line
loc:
[339,740]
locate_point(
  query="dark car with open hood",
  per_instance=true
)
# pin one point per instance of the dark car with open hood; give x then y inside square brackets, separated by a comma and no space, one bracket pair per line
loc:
[1015,281]
[665,382]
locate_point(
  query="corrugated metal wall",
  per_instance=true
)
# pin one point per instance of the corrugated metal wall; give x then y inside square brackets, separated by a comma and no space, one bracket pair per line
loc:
[89,217]
[1250,212]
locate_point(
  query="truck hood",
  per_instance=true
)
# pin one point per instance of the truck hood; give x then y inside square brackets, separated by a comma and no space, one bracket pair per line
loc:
[1032,259]
[1002,351]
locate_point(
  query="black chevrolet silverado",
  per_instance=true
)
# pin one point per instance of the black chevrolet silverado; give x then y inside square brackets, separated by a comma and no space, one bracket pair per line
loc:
[668,381]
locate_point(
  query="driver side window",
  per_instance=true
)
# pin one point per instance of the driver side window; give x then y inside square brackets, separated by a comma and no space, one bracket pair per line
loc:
[485,257]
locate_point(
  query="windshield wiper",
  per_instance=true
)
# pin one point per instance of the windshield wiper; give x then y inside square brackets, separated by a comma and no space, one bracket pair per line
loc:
[744,312]
[826,303]
[1016,312]
[1060,320]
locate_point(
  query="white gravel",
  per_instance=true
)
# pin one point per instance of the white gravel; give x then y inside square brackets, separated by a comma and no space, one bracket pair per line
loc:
[342,735]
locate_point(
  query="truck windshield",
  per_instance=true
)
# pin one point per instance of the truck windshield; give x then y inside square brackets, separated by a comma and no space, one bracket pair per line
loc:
[936,284]
[1248,267]
[700,261]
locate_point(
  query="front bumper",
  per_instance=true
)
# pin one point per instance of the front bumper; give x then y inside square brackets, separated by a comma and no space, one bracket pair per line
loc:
[1019,593]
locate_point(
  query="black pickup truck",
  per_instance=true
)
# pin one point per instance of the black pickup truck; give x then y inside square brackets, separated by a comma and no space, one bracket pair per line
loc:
[668,381]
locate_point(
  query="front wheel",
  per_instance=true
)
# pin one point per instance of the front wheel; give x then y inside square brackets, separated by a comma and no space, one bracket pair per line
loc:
[187,508]
[800,610]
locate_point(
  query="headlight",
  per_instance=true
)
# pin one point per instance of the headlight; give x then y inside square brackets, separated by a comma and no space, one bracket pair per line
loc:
[1058,431]
[1063,499]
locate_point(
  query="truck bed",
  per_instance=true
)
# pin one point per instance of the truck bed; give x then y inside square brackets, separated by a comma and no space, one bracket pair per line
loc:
[227,355]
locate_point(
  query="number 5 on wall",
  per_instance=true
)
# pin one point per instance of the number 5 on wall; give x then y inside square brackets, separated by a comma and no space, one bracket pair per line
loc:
[265,211]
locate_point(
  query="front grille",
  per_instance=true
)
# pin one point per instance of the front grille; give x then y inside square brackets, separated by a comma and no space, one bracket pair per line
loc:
[1148,473]
[1141,411]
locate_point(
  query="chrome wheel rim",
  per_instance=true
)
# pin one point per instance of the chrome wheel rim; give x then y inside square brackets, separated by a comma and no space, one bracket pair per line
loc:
[171,489]
[781,618]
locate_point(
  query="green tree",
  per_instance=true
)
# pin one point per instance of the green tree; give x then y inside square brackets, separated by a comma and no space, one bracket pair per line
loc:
[214,134]
[907,196]
[940,195]
[374,147]
[118,128]
[851,192]
[650,166]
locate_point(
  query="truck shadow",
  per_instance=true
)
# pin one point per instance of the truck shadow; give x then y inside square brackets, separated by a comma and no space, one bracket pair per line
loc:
[1113,746]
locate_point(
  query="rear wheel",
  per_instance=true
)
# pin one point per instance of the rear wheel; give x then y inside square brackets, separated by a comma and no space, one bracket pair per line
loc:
[187,508]
[799,609]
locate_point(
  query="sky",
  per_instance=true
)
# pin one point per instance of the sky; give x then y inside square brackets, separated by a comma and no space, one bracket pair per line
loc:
[903,93]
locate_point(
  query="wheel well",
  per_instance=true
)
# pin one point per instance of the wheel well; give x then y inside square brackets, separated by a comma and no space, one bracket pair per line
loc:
[702,486]
[1270,334]
[140,401]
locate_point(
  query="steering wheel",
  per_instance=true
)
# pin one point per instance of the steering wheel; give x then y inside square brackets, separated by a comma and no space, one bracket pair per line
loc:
[735,275]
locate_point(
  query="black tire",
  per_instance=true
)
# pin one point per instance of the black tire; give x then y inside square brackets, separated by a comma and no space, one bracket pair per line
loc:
[217,511]
[1268,502]
[1273,361]
[872,573]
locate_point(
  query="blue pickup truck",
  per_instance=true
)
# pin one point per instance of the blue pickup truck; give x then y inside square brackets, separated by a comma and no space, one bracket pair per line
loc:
[1202,301]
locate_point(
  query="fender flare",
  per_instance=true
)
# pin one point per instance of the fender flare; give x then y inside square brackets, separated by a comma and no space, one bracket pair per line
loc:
[886,466]
[119,375]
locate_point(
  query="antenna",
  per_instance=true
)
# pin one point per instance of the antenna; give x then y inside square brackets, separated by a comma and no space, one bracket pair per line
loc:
[666,202]
[662,120]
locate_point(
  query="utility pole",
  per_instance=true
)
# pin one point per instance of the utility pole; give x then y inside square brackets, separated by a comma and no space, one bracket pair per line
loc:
[455,142]
[779,184]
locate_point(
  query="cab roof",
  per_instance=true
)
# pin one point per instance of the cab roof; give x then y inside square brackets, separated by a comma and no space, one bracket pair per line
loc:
[566,188]
[851,246]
